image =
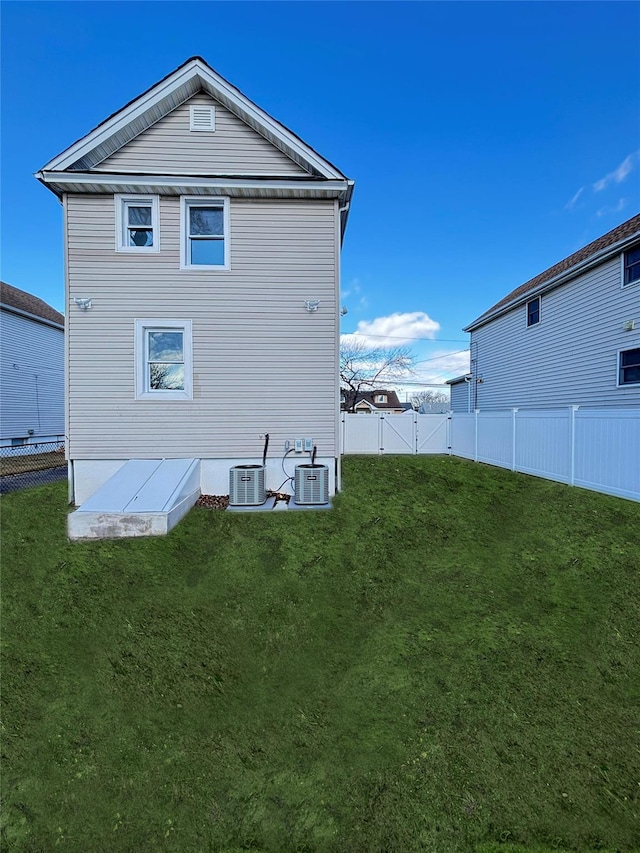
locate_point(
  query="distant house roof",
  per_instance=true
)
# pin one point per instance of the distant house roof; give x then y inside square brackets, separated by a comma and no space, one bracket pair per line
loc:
[25,303]
[595,252]
[369,397]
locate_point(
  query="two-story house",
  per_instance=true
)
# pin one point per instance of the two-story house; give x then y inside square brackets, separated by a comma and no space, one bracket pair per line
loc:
[569,336]
[202,266]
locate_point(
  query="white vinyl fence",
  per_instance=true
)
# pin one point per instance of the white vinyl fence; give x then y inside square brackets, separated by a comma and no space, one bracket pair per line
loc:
[384,433]
[597,449]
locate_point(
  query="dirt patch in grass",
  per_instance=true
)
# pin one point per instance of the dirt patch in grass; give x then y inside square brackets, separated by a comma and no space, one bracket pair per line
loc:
[21,464]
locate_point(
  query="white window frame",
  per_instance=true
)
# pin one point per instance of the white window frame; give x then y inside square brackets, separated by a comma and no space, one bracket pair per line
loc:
[122,203]
[619,369]
[143,392]
[529,325]
[623,265]
[186,203]
[381,398]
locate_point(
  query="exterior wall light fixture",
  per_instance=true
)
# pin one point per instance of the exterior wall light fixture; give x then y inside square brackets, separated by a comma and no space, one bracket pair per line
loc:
[311,305]
[83,304]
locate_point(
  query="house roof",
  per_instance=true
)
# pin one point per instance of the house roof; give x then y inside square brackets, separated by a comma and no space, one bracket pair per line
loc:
[596,252]
[22,302]
[72,170]
[368,397]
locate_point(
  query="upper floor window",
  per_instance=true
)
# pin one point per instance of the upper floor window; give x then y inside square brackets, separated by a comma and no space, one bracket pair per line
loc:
[204,224]
[381,398]
[137,226]
[533,311]
[629,369]
[631,266]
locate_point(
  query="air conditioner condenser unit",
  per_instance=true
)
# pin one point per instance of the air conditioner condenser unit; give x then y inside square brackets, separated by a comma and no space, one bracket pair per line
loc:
[246,485]
[311,485]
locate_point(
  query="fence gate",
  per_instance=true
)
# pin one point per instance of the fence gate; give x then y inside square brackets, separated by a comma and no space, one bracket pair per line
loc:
[382,433]
[397,433]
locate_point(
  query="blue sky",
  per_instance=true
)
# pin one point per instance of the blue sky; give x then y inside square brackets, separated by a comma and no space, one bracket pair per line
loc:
[487,140]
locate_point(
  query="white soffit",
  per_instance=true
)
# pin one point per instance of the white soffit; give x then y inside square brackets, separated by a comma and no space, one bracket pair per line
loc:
[195,75]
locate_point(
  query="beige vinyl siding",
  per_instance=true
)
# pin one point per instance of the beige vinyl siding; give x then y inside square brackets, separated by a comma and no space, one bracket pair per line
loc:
[262,363]
[170,148]
[570,357]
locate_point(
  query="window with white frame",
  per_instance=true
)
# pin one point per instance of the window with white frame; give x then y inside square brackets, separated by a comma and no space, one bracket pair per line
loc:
[137,223]
[204,226]
[631,266]
[381,398]
[629,367]
[164,359]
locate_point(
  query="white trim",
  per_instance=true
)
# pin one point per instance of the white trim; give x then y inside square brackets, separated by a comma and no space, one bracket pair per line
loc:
[36,317]
[197,126]
[624,284]
[122,202]
[218,184]
[198,74]
[529,325]
[141,327]
[186,203]
[619,368]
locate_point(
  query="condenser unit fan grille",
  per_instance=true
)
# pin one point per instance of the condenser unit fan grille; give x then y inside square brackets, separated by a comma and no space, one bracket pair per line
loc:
[246,485]
[312,484]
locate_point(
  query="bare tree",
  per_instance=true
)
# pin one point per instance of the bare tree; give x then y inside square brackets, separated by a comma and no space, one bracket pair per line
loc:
[162,376]
[429,398]
[363,368]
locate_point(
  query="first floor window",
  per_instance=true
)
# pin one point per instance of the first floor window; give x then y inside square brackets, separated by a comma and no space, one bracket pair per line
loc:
[137,228]
[533,311]
[205,233]
[164,359]
[631,266]
[629,370]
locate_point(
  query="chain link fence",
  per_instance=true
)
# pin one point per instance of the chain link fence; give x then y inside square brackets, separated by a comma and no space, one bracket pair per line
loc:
[29,465]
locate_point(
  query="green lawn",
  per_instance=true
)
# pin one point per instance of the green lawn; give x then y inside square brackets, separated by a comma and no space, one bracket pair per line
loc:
[447,661]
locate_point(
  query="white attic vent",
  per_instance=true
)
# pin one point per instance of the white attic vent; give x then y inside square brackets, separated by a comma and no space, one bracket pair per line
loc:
[202,118]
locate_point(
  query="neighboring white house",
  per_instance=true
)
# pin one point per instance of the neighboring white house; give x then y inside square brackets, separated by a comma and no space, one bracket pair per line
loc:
[31,369]
[570,336]
[202,284]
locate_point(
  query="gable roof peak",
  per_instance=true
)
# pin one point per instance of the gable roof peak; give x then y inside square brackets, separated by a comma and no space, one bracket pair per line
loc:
[193,76]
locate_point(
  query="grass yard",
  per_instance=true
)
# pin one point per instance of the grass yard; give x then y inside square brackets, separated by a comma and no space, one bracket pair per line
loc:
[448,661]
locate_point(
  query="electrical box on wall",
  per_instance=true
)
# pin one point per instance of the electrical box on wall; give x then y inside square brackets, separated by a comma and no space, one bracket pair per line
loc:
[298,445]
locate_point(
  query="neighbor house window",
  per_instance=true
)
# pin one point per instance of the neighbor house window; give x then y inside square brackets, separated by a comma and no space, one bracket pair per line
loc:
[629,368]
[163,359]
[631,266]
[205,233]
[381,398]
[533,311]
[137,225]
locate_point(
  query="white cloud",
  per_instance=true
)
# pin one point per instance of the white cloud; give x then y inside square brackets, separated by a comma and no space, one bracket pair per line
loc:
[618,175]
[604,211]
[442,366]
[396,329]
[570,204]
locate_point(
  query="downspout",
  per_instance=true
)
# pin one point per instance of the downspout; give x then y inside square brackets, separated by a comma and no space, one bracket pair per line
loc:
[467,379]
